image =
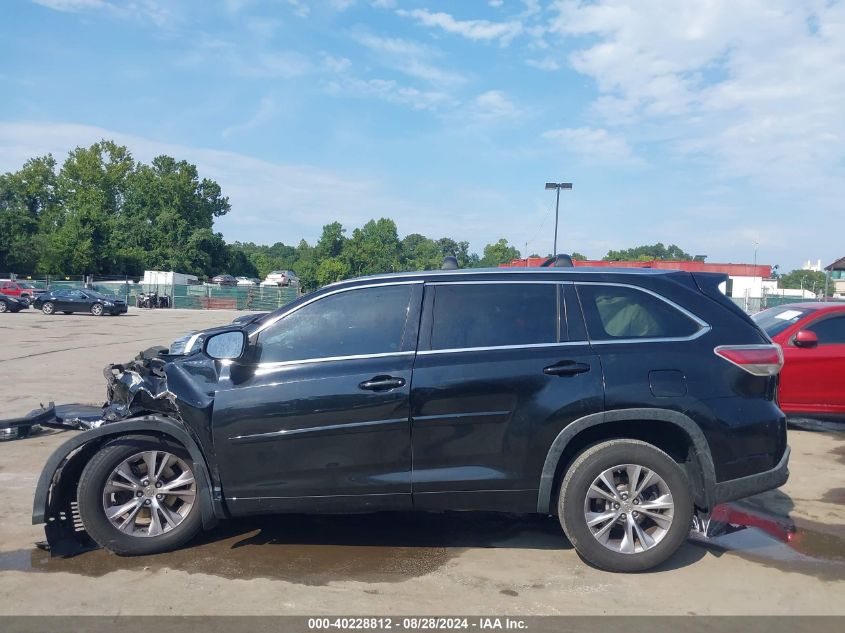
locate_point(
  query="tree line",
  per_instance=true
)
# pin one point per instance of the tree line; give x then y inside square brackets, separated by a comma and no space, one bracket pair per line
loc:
[101,212]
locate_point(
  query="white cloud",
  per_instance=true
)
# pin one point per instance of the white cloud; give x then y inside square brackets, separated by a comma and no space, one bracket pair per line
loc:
[494,105]
[594,145]
[477,30]
[268,108]
[753,88]
[336,64]
[239,60]
[390,91]
[409,58]
[70,5]
[150,10]
[544,63]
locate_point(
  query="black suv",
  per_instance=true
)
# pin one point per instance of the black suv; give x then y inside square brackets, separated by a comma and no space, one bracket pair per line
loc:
[621,401]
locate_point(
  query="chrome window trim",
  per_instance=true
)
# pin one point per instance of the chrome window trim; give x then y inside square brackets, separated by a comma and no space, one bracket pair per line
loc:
[499,282]
[405,282]
[263,369]
[704,327]
[456,350]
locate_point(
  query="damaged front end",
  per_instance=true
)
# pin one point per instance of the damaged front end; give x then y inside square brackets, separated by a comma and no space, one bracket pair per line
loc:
[150,395]
[139,387]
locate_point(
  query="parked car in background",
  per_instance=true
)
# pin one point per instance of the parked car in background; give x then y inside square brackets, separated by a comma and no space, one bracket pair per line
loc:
[812,336]
[281,278]
[247,281]
[224,280]
[23,290]
[69,300]
[618,401]
[11,304]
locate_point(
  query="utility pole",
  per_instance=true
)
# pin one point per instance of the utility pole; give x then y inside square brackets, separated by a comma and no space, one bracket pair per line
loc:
[557,186]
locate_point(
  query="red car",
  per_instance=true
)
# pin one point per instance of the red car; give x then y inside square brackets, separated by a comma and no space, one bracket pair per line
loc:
[812,336]
[22,290]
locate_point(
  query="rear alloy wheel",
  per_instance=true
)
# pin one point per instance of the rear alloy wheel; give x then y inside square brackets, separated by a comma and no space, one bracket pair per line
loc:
[139,496]
[48,307]
[625,505]
[97,309]
[3,306]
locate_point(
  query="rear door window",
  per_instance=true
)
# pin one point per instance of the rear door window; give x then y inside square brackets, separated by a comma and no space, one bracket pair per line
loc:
[622,312]
[494,315]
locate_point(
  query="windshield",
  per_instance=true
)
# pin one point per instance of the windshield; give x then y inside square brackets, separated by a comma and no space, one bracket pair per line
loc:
[776,320]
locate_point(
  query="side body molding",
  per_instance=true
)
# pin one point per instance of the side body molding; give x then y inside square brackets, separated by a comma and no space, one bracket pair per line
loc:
[699,442]
[46,505]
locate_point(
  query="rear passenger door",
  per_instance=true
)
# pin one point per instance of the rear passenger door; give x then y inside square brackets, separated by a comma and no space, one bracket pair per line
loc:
[499,372]
[646,343]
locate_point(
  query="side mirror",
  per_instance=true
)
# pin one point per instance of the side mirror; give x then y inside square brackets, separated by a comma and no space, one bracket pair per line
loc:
[225,345]
[806,338]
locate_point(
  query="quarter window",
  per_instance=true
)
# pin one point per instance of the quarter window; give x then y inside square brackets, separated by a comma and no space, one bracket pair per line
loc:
[350,323]
[493,315]
[830,331]
[618,312]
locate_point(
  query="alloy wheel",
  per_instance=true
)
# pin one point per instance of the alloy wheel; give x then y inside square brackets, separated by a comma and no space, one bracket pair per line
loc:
[97,309]
[149,494]
[47,308]
[629,508]
[3,307]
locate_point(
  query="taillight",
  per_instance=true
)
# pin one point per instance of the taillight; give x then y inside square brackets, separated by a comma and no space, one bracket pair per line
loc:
[759,360]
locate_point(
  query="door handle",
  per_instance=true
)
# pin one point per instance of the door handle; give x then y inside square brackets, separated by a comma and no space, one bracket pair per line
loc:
[566,368]
[382,383]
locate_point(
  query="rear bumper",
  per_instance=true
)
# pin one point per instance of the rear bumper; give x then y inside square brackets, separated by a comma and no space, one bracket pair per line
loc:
[734,489]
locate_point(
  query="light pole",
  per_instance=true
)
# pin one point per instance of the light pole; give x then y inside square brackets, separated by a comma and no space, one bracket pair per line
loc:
[557,186]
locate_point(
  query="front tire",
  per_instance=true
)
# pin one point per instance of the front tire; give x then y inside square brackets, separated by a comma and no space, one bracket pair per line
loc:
[625,505]
[138,496]
[3,307]
[48,308]
[97,309]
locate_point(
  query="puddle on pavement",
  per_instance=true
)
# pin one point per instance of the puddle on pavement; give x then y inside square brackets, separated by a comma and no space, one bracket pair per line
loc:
[799,545]
[315,550]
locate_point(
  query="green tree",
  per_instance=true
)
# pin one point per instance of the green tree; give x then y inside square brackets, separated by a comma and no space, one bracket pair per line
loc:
[578,256]
[374,248]
[807,279]
[331,270]
[648,253]
[499,253]
[27,197]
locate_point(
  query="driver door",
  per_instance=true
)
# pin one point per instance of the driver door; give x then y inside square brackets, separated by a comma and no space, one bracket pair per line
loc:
[318,416]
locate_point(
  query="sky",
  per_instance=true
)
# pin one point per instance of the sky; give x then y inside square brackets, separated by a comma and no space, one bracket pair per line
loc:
[715,124]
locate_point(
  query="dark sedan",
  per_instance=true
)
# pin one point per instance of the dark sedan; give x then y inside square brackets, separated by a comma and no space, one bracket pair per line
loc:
[11,304]
[70,300]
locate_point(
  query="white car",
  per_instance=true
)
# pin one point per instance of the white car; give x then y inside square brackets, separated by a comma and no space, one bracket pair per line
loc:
[281,278]
[247,281]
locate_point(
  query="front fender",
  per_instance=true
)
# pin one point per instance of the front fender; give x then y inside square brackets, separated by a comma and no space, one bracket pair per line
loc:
[54,495]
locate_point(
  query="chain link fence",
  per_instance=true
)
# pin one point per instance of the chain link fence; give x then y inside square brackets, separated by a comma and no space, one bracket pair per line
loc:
[193,297]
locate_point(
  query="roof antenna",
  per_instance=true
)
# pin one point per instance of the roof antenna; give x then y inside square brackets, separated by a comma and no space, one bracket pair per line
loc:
[450,262]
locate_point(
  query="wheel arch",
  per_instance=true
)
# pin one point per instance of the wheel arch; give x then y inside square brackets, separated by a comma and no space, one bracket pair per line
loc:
[55,492]
[669,430]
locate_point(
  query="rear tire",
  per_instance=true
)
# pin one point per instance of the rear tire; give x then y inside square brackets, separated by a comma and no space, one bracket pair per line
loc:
[617,526]
[3,307]
[150,523]
[48,308]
